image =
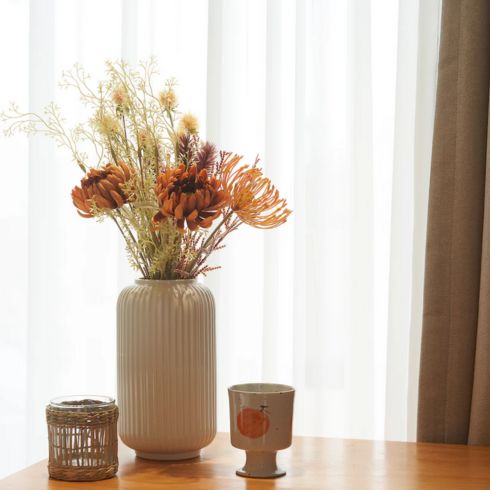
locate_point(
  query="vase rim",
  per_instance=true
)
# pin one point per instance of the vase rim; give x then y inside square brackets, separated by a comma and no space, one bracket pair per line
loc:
[163,282]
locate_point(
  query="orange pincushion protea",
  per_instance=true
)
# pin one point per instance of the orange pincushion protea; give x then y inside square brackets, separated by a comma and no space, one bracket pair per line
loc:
[104,187]
[189,197]
[253,197]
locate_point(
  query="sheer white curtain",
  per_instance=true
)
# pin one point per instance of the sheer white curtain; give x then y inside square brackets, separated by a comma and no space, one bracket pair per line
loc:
[338,99]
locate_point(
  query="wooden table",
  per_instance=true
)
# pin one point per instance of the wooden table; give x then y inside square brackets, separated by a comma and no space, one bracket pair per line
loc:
[312,463]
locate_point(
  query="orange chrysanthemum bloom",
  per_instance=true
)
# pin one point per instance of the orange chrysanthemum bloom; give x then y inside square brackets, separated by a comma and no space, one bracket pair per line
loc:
[189,196]
[253,197]
[103,186]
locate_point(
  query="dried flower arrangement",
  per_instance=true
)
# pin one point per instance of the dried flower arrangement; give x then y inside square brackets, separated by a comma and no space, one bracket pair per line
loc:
[173,197]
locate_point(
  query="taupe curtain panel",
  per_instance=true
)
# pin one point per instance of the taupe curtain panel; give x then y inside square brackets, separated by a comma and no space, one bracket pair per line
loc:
[454,386]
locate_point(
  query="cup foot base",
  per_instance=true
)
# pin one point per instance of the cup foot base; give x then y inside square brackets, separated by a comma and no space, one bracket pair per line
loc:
[275,474]
[169,456]
[260,464]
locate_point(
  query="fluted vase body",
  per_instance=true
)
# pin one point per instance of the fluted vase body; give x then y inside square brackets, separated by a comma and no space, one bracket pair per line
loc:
[166,369]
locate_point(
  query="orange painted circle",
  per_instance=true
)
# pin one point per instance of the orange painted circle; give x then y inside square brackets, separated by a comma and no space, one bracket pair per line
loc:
[252,423]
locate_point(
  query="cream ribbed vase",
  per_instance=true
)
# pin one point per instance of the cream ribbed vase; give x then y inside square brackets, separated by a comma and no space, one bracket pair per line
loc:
[166,368]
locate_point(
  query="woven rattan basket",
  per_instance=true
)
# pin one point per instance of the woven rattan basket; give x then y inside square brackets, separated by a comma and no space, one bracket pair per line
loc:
[82,434]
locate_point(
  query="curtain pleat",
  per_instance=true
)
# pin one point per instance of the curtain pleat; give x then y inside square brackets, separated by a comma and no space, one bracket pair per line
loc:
[479,432]
[454,382]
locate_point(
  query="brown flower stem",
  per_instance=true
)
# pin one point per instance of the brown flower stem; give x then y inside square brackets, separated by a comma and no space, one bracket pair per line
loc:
[216,245]
[222,222]
[171,122]
[135,242]
[130,248]
[133,239]
[199,259]
[113,153]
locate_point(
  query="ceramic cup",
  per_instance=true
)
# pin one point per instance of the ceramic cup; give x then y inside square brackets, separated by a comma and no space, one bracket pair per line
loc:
[261,420]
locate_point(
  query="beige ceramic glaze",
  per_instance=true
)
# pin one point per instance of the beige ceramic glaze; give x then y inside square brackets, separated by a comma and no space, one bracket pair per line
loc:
[166,372]
[261,420]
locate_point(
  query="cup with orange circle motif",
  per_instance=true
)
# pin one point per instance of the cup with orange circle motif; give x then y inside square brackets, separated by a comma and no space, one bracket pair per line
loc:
[261,422]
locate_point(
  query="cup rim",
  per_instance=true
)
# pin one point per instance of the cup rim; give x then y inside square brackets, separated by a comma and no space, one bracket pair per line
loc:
[266,388]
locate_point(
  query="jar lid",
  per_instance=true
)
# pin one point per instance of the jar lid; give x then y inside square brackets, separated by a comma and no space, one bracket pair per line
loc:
[81,403]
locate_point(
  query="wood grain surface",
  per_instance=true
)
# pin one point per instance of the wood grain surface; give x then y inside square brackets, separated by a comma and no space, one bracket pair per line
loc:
[311,463]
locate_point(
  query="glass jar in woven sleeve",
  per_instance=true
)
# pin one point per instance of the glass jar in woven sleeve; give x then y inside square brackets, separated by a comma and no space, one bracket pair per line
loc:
[82,433]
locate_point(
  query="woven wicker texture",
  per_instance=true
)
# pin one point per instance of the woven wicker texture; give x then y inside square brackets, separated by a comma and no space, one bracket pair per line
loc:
[82,444]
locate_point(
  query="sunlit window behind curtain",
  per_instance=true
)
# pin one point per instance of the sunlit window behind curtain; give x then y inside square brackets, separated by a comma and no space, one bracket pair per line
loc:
[314,88]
